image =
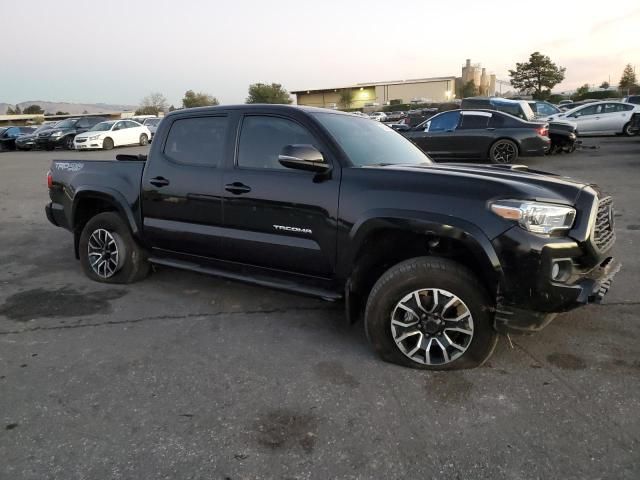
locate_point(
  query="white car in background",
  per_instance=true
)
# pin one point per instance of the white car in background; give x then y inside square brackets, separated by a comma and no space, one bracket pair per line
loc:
[378,116]
[600,118]
[113,133]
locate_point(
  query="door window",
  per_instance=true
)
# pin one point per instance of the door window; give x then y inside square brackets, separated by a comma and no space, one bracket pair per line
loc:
[197,141]
[590,110]
[263,138]
[444,122]
[472,122]
[83,123]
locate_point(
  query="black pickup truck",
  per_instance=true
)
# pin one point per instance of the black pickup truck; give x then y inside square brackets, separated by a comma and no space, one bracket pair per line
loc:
[438,258]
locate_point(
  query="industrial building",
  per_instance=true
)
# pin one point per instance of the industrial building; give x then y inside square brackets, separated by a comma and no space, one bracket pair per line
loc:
[419,90]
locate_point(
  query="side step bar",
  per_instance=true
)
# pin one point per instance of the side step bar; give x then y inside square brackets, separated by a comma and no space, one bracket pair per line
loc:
[261,280]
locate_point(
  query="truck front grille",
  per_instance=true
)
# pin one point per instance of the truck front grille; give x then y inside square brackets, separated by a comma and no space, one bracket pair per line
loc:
[603,234]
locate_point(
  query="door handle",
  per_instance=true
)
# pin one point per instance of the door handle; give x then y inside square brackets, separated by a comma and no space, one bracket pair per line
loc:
[159,182]
[597,118]
[491,129]
[237,188]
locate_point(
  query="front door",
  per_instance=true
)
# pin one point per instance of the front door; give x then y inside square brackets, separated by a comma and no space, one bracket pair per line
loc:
[182,185]
[277,217]
[436,139]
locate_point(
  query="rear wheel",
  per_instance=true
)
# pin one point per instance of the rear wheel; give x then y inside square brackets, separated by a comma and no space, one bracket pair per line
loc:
[626,130]
[108,252]
[430,313]
[107,144]
[144,140]
[503,151]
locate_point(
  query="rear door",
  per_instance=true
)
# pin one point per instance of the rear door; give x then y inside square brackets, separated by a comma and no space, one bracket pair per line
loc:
[473,136]
[615,116]
[182,184]
[276,217]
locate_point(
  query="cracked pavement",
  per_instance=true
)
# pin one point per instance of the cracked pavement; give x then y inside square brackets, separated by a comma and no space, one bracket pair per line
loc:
[193,377]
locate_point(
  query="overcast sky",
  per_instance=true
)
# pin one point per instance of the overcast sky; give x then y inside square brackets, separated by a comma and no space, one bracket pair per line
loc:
[120,50]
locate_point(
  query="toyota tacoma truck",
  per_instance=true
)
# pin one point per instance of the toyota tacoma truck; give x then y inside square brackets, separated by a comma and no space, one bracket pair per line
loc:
[437,259]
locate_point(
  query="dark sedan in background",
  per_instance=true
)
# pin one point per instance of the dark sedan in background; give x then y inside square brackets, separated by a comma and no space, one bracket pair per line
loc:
[28,141]
[8,136]
[485,135]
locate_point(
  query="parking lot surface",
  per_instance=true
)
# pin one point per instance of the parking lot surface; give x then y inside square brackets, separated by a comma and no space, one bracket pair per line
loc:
[191,377]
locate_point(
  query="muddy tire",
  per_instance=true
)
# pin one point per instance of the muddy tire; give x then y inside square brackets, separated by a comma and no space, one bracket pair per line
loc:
[430,313]
[109,253]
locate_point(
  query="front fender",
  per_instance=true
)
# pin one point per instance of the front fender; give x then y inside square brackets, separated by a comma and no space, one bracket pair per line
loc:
[429,224]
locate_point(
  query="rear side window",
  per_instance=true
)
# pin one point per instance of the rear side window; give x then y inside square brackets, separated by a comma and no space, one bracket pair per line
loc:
[470,122]
[263,138]
[197,141]
[634,99]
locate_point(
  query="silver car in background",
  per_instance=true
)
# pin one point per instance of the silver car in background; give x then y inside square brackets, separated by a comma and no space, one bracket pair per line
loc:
[600,118]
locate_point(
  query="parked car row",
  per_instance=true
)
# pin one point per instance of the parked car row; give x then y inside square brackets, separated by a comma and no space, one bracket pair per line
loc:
[80,133]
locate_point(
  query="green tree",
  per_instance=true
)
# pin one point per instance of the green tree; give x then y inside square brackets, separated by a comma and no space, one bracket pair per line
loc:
[628,79]
[152,104]
[605,85]
[172,108]
[264,93]
[61,113]
[537,76]
[345,97]
[469,89]
[192,99]
[14,111]
[33,110]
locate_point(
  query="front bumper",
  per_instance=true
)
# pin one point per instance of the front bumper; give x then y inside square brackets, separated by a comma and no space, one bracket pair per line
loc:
[87,144]
[50,142]
[530,295]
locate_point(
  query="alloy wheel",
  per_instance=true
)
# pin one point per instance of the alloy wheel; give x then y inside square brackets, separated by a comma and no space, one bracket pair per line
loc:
[504,152]
[432,326]
[104,256]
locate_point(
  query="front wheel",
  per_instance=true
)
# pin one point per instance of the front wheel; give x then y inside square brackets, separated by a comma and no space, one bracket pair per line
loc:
[107,144]
[503,151]
[108,251]
[144,140]
[68,143]
[430,313]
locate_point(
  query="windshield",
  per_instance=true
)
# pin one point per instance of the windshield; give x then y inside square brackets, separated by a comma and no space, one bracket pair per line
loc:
[69,123]
[101,127]
[367,142]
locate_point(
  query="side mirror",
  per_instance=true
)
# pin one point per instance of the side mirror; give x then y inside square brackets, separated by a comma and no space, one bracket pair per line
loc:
[303,157]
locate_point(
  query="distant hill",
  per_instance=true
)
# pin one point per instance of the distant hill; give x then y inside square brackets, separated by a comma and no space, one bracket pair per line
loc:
[72,108]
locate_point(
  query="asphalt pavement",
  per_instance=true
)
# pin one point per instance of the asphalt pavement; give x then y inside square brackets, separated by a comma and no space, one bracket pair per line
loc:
[184,376]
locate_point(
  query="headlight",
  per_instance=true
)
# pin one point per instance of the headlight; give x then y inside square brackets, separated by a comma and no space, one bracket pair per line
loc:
[56,134]
[537,217]
[94,137]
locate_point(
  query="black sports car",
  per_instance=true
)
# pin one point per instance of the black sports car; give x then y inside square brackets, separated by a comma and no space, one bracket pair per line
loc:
[479,135]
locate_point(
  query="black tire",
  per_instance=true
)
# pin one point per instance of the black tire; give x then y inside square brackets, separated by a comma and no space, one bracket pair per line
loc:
[503,151]
[107,144]
[144,140]
[430,273]
[627,132]
[68,143]
[131,262]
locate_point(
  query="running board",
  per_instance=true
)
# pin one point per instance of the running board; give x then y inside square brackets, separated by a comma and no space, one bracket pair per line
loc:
[262,280]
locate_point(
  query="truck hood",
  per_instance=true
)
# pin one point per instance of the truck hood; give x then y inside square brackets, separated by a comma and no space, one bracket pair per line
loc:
[504,180]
